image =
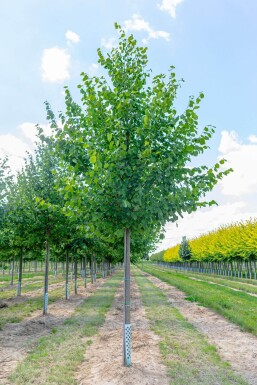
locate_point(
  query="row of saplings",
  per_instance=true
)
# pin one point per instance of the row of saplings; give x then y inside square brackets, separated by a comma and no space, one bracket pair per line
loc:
[71,269]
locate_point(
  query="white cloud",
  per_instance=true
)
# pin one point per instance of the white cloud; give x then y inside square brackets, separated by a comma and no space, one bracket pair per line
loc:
[93,68]
[169,6]
[252,138]
[109,43]
[17,146]
[72,37]
[229,142]
[29,132]
[243,159]
[15,149]
[136,23]
[55,65]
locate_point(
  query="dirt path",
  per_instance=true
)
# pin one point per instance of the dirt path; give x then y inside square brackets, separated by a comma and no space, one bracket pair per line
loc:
[103,359]
[16,340]
[234,346]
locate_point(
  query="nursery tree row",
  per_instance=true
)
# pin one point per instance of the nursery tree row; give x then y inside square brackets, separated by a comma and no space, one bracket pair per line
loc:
[115,170]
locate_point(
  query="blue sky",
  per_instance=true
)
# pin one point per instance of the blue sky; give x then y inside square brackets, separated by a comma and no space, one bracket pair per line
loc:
[47,44]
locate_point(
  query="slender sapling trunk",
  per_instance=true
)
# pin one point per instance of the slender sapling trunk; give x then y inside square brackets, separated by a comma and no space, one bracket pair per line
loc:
[45,308]
[20,272]
[126,325]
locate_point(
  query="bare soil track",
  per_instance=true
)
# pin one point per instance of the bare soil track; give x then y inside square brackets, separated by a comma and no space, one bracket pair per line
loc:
[234,346]
[103,358]
[16,340]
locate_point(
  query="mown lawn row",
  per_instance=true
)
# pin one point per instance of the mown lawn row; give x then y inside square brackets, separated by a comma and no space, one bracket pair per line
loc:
[238,307]
[246,285]
[186,353]
[55,358]
[28,287]
[17,311]
[6,279]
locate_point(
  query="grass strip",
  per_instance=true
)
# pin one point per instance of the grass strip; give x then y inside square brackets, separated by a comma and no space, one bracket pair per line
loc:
[235,284]
[18,311]
[237,307]
[223,281]
[187,355]
[7,278]
[252,281]
[28,287]
[55,358]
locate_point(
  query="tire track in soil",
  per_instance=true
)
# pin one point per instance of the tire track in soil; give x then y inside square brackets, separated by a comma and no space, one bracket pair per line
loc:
[103,358]
[234,346]
[17,340]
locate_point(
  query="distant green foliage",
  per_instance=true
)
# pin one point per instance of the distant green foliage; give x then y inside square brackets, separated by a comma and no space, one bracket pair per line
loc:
[185,250]
[157,256]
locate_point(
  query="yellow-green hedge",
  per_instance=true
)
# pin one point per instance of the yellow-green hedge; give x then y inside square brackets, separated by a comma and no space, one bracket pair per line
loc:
[171,254]
[238,240]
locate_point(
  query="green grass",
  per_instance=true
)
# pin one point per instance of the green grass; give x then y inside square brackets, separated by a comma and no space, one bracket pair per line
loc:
[55,358]
[223,281]
[7,278]
[185,352]
[237,307]
[215,276]
[28,287]
[20,310]
[237,283]
[17,311]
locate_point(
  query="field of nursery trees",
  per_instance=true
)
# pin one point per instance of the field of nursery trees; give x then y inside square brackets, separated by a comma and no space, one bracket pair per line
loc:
[80,303]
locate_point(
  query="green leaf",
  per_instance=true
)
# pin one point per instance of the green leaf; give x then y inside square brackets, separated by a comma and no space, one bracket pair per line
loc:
[93,159]
[146,120]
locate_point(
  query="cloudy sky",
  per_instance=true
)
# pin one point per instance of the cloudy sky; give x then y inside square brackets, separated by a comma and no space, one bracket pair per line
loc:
[45,45]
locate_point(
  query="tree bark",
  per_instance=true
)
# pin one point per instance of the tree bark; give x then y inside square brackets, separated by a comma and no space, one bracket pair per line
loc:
[20,272]
[75,276]
[91,269]
[67,276]
[85,278]
[94,268]
[126,326]
[12,271]
[45,308]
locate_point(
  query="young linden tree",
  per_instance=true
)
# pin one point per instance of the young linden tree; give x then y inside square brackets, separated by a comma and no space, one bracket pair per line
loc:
[136,150]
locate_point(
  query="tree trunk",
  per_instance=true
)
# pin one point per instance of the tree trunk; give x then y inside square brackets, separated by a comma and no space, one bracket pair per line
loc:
[45,308]
[75,276]
[126,326]
[94,269]
[12,272]
[55,268]
[20,272]
[91,269]
[67,276]
[85,278]
[102,269]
